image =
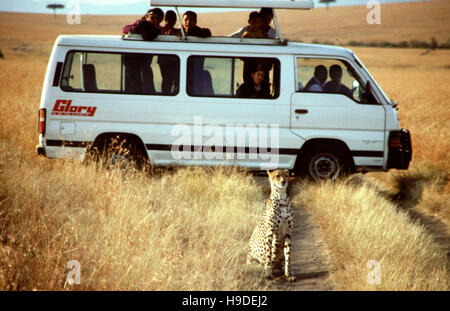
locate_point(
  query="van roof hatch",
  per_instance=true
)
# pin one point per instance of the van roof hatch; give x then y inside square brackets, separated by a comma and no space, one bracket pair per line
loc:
[279,4]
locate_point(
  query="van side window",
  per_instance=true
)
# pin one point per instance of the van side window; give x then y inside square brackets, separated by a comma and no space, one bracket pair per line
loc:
[122,73]
[223,76]
[328,76]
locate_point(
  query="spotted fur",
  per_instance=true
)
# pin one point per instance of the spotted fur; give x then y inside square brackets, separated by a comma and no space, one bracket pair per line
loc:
[270,243]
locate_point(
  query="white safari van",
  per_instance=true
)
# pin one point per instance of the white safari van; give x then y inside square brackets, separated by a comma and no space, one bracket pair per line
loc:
[177,101]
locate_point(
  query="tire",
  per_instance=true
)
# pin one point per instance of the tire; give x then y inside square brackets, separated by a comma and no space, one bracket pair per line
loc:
[325,163]
[121,153]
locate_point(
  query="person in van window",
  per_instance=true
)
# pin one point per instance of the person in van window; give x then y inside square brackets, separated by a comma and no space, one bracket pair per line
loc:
[169,66]
[170,18]
[138,73]
[254,88]
[335,85]
[317,82]
[190,26]
[200,82]
[253,29]
[265,64]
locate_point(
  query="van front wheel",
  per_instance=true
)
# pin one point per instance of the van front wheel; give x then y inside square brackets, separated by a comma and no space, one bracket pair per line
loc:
[325,164]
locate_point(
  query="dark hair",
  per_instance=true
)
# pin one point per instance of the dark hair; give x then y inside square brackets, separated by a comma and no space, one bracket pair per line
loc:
[335,68]
[171,15]
[257,67]
[320,68]
[254,14]
[191,14]
[266,11]
[156,11]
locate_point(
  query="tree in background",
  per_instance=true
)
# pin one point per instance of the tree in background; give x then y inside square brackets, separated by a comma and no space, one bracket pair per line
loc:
[327,2]
[54,7]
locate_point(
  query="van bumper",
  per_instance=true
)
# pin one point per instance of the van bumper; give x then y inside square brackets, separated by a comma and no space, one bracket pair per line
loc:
[41,150]
[400,149]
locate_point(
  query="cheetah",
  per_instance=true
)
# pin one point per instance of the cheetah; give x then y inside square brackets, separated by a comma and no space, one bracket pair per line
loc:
[271,240]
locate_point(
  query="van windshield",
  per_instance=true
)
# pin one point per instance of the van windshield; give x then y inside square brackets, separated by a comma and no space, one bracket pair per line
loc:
[358,61]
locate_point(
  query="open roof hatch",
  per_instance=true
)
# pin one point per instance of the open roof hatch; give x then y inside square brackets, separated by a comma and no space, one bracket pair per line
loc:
[250,4]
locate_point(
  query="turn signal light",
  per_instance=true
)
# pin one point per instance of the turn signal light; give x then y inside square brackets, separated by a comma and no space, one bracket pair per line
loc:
[42,117]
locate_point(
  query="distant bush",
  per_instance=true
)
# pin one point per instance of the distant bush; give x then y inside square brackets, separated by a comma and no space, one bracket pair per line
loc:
[355,43]
[445,45]
[403,44]
[419,44]
[315,41]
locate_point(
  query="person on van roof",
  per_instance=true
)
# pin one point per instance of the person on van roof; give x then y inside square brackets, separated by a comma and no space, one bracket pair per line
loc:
[190,26]
[255,23]
[253,29]
[335,85]
[168,29]
[254,87]
[267,14]
[268,32]
[169,64]
[148,26]
[316,83]
[128,28]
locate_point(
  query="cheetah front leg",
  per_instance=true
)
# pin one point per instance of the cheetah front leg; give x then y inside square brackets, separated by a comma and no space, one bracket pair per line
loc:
[269,249]
[287,259]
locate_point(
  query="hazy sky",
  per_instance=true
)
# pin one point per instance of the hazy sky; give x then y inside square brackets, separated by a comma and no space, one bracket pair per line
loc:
[130,7]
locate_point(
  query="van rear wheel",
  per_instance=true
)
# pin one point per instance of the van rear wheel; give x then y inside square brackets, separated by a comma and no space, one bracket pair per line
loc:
[118,154]
[121,153]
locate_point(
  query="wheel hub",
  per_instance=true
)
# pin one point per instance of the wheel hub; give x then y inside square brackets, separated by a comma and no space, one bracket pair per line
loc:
[324,166]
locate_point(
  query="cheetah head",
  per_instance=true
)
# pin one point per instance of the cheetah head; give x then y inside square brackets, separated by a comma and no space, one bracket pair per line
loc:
[279,178]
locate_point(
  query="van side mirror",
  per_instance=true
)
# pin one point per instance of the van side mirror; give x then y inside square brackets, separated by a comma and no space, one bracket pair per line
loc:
[367,97]
[368,88]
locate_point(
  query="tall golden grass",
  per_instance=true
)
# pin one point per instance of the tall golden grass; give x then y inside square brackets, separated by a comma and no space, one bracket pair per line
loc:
[188,229]
[183,231]
[360,225]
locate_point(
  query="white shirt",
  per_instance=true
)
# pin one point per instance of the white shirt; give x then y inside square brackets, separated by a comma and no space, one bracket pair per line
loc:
[271,33]
[317,87]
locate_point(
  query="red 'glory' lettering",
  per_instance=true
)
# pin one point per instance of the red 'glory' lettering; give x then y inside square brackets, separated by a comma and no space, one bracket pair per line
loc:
[64,107]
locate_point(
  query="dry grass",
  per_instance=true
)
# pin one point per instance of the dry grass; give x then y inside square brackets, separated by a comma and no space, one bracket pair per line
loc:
[183,231]
[358,226]
[189,229]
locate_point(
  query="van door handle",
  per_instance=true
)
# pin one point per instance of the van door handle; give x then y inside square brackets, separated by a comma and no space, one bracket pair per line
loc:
[301,111]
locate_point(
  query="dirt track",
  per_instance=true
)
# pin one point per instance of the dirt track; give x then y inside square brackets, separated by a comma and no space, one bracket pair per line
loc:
[309,260]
